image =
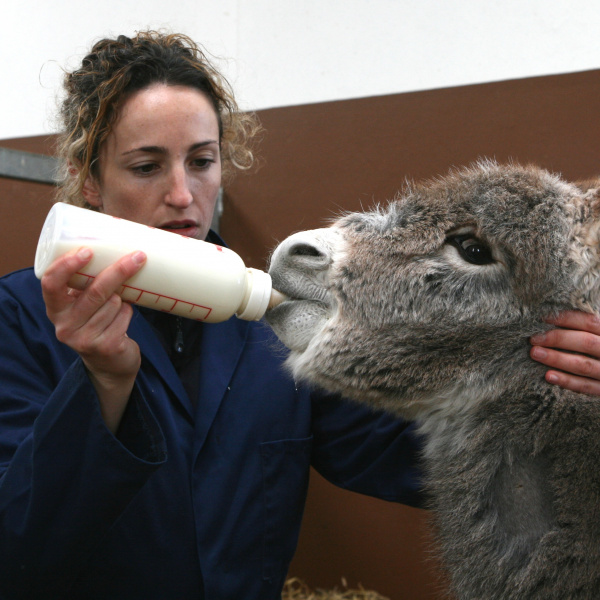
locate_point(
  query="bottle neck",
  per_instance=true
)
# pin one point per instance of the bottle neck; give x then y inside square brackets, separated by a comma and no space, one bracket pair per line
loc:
[256,295]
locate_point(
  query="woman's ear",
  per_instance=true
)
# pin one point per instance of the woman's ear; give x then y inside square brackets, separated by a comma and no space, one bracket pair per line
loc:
[91,192]
[90,189]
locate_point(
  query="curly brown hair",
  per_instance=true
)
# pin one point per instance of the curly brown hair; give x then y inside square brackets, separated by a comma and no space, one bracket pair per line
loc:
[115,69]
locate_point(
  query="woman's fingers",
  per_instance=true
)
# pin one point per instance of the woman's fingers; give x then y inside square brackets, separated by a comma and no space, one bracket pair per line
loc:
[574,319]
[575,384]
[95,331]
[576,364]
[570,340]
[86,320]
[572,352]
[109,282]
[57,293]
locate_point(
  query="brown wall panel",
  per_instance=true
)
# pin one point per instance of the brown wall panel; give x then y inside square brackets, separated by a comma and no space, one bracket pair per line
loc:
[321,159]
[23,208]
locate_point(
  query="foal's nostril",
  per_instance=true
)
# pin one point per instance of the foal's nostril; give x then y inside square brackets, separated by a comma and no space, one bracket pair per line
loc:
[303,249]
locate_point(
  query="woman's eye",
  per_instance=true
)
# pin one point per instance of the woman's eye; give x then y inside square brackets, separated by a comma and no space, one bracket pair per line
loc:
[202,163]
[472,249]
[144,169]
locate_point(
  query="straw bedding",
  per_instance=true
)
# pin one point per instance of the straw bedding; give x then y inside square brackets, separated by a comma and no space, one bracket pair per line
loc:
[296,589]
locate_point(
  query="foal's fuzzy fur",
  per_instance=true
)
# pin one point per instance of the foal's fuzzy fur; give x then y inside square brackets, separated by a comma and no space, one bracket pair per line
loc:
[425,309]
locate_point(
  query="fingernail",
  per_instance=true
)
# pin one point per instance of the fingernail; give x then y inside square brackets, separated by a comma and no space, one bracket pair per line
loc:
[84,253]
[538,338]
[538,352]
[552,378]
[139,257]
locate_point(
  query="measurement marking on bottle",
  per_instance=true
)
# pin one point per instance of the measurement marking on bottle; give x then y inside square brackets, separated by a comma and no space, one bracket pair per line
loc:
[163,303]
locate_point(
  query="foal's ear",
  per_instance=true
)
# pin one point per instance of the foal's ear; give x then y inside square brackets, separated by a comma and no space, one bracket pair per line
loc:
[585,248]
[587,213]
[586,185]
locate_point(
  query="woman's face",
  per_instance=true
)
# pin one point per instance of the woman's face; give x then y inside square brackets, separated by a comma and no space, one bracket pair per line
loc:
[161,163]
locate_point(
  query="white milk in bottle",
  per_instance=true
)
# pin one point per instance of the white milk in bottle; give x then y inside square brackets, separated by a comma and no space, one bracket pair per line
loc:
[183,276]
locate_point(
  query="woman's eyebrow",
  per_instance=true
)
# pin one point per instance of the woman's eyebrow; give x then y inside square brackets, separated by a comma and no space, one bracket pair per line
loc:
[163,150]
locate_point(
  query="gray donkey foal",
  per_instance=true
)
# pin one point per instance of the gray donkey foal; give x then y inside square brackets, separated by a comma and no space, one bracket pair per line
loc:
[424,309]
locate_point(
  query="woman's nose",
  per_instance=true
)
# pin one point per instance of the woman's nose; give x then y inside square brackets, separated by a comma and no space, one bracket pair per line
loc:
[179,193]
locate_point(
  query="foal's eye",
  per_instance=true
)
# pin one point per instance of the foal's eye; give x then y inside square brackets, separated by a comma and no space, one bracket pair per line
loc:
[472,249]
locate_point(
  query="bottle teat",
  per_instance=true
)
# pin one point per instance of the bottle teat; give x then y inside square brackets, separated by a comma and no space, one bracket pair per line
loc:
[276,299]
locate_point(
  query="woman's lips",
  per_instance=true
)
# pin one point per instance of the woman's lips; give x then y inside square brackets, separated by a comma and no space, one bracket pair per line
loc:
[186,228]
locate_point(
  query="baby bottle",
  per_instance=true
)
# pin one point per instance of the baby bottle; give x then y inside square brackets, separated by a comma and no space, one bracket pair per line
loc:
[183,276]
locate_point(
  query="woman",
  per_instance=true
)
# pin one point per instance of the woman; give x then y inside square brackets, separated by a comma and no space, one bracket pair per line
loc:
[142,455]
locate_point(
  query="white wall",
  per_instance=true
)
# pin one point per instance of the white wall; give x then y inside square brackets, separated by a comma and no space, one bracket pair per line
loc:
[284,52]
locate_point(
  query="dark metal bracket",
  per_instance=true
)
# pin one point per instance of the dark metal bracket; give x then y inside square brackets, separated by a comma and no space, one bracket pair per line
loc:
[27,166]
